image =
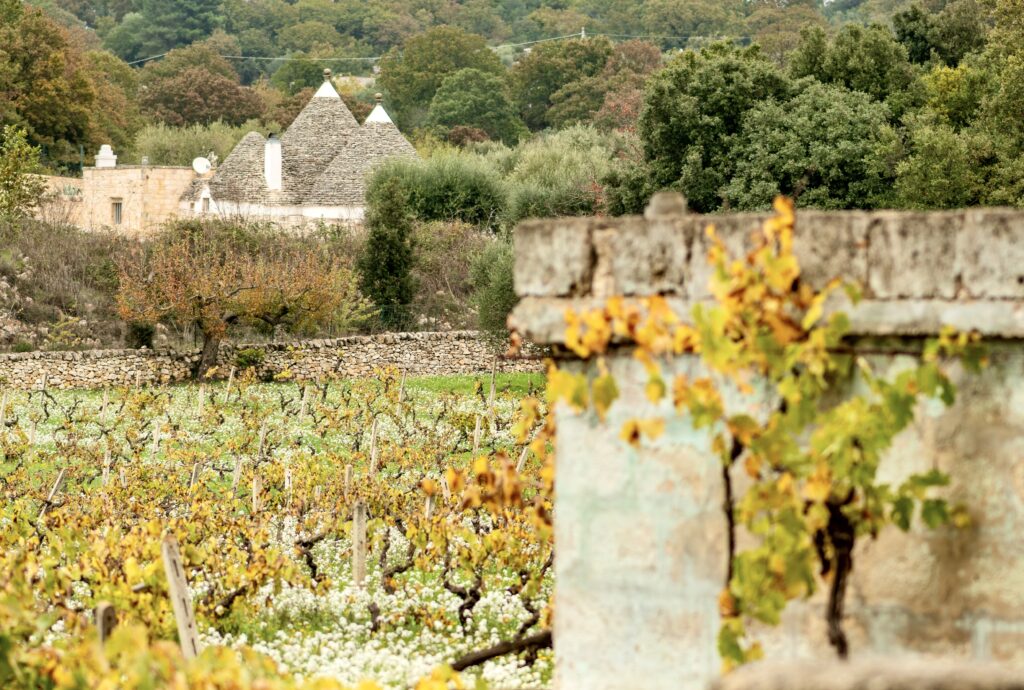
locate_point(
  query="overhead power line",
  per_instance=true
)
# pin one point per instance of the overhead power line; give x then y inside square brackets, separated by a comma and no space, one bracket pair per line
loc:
[309,59]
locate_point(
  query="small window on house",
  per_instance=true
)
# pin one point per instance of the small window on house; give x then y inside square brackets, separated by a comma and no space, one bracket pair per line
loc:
[206,204]
[115,211]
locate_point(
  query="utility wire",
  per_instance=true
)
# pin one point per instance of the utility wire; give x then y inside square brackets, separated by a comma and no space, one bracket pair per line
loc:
[332,59]
[135,62]
[539,40]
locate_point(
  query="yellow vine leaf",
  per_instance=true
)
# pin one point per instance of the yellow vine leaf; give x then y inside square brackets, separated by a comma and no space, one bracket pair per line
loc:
[818,485]
[605,392]
[655,388]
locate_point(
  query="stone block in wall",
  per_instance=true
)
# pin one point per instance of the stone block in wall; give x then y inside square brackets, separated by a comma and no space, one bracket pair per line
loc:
[553,257]
[638,256]
[990,254]
[735,232]
[832,245]
[912,255]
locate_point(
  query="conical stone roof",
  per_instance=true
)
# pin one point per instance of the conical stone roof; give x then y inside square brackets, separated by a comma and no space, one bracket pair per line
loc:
[344,181]
[326,157]
[240,177]
[323,129]
[382,138]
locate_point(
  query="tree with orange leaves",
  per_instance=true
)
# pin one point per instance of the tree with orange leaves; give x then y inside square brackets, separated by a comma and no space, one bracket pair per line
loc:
[214,275]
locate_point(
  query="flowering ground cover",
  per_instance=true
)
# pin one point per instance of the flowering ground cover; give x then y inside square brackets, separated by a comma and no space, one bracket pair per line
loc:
[260,483]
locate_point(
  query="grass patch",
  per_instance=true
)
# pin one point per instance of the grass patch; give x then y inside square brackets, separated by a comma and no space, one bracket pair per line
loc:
[519,383]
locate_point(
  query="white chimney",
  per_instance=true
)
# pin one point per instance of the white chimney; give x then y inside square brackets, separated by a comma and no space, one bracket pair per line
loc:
[106,158]
[272,163]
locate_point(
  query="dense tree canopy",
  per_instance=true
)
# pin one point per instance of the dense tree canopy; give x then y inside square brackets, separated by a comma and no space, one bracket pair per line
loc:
[474,98]
[827,147]
[412,74]
[159,25]
[44,85]
[863,59]
[723,121]
[538,79]
[693,112]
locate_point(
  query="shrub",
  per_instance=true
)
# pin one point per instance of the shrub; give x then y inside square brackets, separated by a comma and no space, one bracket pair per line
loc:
[445,187]
[59,271]
[20,189]
[494,295]
[445,255]
[165,145]
[140,335]
[249,358]
[560,173]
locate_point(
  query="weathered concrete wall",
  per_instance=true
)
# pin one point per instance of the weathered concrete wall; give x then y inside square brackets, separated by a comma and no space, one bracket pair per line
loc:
[640,532]
[876,675]
[419,354]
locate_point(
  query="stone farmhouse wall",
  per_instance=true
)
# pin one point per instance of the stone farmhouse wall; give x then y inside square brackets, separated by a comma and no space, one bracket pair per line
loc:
[641,540]
[148,194]
[418,354]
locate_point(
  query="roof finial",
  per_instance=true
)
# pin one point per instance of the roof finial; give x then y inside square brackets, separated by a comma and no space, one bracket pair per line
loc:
[379,97]
[327,73]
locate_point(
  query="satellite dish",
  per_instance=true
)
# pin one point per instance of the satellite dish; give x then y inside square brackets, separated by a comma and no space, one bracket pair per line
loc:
[201,165]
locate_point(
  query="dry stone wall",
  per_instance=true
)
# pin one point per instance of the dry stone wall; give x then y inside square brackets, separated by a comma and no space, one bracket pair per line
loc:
[419,354]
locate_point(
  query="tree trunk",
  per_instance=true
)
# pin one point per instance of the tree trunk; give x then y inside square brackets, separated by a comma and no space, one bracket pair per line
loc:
[208,358]
[842,535]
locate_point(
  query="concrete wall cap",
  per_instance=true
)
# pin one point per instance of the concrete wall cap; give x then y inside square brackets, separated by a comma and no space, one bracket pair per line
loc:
[935,266]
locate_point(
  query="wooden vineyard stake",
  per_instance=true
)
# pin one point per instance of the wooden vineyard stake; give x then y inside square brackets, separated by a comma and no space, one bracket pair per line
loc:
[257,489]
[522,459]
[428,507]
[156,442]
[348,481]
[181,599]
[236,476]
[401,388]
[288,478]
[138,379]
[373,448]
[202,400]
[195,476]
[106,466]
[316,495]
[32,435]
[105,401]
[445,489]
[359,543]
[262,438]
[227,388]
[106,620]
[54,490]
[3,410]
[57,486]
[492,398]
[305,400]
[42,384]
[476,436]
[123,476]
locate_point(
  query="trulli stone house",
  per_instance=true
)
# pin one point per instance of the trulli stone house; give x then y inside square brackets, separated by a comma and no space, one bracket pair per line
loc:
[316,170]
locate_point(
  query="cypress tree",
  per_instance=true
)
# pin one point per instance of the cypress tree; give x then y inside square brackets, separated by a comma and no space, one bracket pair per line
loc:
[385,265]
